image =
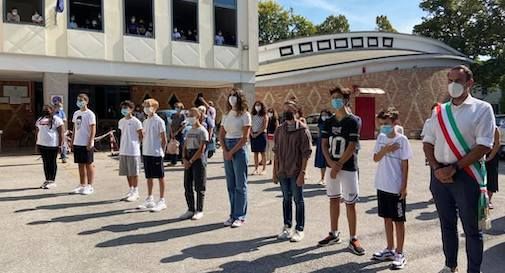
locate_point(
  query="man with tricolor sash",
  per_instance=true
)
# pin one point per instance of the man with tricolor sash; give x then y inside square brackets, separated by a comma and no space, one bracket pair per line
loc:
[456,139]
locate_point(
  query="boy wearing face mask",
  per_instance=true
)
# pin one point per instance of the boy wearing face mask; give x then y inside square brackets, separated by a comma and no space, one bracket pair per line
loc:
[83,144]
[13,16]
[194,158]
[129,149]
[392,152]
[153,149]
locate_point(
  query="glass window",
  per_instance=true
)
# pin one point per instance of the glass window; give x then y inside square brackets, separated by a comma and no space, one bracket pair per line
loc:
[24,12]
[225,22]
[139,18]
[185,20]
[85,14]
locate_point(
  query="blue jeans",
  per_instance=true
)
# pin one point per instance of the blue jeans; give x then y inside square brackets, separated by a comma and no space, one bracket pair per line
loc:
[236,180]
[292,191]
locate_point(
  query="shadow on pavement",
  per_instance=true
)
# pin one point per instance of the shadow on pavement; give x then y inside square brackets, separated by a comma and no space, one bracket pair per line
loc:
[20,165]
[68,205]
[354,267]
[493,259]
[79,217]
[410,207]
[18,190]
[497,227]
[216,178]
[160,236]
[31,197]
[130,227]
[427,216]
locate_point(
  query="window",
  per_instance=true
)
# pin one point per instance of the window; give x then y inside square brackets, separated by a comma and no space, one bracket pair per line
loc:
[225,22]
[185,20]
[139,18]
[85,14]
[24,12]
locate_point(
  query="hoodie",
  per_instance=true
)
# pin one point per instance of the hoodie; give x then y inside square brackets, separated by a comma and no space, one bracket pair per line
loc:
[292,144]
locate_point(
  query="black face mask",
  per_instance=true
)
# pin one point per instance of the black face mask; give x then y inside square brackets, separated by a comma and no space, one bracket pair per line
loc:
[288,115]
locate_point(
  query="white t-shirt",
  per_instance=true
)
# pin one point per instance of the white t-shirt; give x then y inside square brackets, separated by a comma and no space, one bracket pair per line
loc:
[151,145]
[82,121]
[399,129]
[388,177]
[234,125]
[47,134]
[130,143]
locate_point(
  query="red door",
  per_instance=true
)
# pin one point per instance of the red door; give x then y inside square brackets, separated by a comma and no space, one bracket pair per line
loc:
[365,109]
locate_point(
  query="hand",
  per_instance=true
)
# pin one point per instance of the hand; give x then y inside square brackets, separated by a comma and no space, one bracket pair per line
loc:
[489,158]
[275,178]
[445,174]
[391,147]
[335,169]
[90,147]
[300,181]
[403,193]
[227,155]
[187,164]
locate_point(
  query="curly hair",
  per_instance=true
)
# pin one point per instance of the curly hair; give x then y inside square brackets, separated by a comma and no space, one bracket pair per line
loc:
[241,106]
[262,112]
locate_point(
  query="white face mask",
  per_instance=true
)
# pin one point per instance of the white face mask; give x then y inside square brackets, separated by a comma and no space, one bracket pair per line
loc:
[456,90]
[232,100]
[258,108]
[148,110]
[270,115]
[324,118]
[191,120]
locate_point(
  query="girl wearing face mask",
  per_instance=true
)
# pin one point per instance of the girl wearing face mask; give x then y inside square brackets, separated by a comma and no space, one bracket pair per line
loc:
[234,132]
[49,141]
[258,136]
[320,162]
[273,123]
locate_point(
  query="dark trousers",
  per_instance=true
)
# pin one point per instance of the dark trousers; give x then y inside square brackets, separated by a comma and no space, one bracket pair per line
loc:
[460,197]
[195,179]
[175,158]
[292,191]
[49,155]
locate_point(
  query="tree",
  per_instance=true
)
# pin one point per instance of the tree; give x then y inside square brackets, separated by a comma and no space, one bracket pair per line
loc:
[383,24]
[333,24]
[274,22]
[301,26]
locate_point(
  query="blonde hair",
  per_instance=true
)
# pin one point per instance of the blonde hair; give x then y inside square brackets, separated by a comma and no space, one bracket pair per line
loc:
[152,103]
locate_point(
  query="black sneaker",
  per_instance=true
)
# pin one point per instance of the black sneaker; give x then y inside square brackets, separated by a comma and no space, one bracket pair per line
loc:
[330,240]
[355,247]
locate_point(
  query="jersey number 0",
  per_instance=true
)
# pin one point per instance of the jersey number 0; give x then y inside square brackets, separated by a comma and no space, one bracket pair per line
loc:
[337,146]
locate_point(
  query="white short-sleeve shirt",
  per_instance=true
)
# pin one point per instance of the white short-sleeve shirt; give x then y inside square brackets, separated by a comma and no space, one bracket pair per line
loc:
[388,177]
[474,118]
[234,125]
[48,133]
[151,144]
[130,143]
[82,121]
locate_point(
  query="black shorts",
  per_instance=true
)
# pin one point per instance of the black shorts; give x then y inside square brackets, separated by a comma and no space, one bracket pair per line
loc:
[82,155]
[390,206]
[153,167]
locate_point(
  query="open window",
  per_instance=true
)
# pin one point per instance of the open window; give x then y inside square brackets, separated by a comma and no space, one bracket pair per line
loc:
[139,18]
[85,14]
[185,20]
[24,12]
[225,22]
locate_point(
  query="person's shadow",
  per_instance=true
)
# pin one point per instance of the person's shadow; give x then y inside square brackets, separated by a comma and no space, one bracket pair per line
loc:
[497,227]
[493,259]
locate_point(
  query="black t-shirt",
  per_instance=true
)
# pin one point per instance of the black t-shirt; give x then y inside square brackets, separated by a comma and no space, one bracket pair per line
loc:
[340,134]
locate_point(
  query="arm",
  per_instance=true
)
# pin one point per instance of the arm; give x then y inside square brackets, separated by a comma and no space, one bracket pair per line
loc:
[347,153]
[405,175]
[275,176]
[141,134]
[475,155]
[222,134]
[306,151]
[496,145]
[61,135]
[325,144]
[163,137]
[199,153]
[384,151]
[92,135]
[243,140]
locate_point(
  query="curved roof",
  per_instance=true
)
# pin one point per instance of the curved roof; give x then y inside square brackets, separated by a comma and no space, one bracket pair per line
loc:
[353,49]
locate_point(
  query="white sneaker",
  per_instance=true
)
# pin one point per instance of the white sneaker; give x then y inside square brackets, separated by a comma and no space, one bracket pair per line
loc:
[297,236]
[228,222]
[50,185]
[237,223]
[148,203]
[134,196]
[448,270]
[197,216]
[286,233]
[78,190]
[88,190]
[160,205]
[399,261]
[187,215]
[384,255]
[127,195]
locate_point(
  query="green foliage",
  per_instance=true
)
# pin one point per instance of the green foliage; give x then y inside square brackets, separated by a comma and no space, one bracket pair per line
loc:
[383,24]
[333,24]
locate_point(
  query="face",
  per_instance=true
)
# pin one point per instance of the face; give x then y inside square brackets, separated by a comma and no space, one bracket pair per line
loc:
[47,110]
[14,11]
[72,18]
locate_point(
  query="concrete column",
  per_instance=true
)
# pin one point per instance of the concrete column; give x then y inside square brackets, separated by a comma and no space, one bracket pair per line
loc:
[56,84]
[206,33]
[249,91]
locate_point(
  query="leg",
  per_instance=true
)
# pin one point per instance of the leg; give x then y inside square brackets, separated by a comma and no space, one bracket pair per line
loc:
[162,187]
[299,203]
[130,181]
[200,175]
[230,183]
[256,161]
[264,161]
[388,226]
[188,189]
[334,213]
[323,171]
[350,193]
[45,161]
[53,166]
[240,169]
[150,187]
[82,174]
[90,171]
[400,236]
[287,199]
[351,219]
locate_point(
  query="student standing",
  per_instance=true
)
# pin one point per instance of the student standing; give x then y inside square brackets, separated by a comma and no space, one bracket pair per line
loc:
[83,144]
[60,112]
[292,151]
[392,152]
[339,138]
[129,150]
[273,123]
[320,162]
[258,136]
[233,135]
[176,128]
[49,141]
[195,164]
[492,162]
[153,150]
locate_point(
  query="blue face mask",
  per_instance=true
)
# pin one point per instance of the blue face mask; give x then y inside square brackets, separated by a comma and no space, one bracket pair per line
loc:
[80,104]
[337,103]
[125,112]
[386,129]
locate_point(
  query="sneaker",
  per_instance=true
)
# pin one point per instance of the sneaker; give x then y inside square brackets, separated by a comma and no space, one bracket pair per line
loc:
[286,233]
[228,222]
[88,190]
[399,262]
[63,160]
[43,186]
[78,190]
[237,223]
[159,206]
[448,270]
[355,247]
[148,203]
[48,185]
[330,240]
[297,236]
[321,182]
[134,196]
[197,216]
[384,255]
[491,205]
[127,195]
[187,215]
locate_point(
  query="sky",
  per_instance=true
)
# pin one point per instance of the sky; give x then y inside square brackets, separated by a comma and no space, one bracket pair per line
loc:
[403,14]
